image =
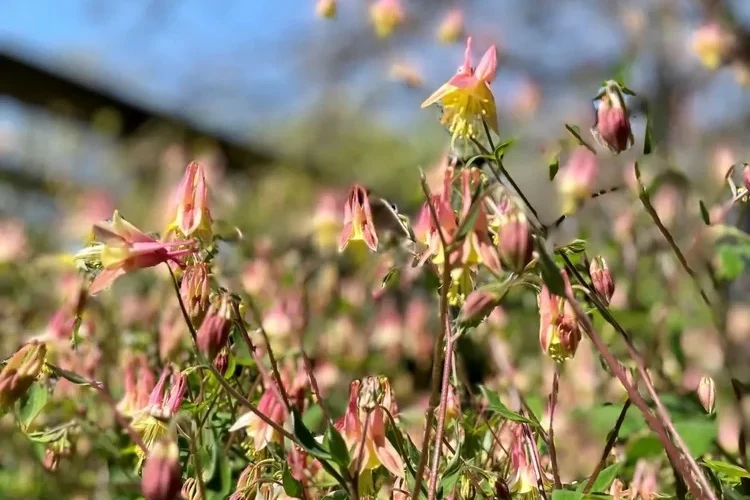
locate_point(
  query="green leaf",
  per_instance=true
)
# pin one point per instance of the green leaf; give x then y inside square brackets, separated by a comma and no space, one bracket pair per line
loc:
[47,436]
[727,469]
[225,473]
[698,434]
[208,453]
[704,213]
[566,495]
[337,446]
[731,260]
[550,273]
[497,406]
[34,402]
[575,131]
[306,439]
[68,375]
[554,167]
[500,148]
[648,141]
[604,479]
[292,486]
[576,246]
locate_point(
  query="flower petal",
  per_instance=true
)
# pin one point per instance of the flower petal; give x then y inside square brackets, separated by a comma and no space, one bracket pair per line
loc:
[244,421]
[487,66]
[105,279]
[444,90]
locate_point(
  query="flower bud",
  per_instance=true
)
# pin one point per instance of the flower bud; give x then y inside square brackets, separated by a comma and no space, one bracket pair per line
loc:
[358,222]
[612,127]
[192,215]
[162,473]
[190,490]
[221,361]
[707,394]
[326,9]
[515,243]
[478,305]
[386,16]
[559,331]
[194,288]
[577,178]
[214,331]
[20,372]
[601,277]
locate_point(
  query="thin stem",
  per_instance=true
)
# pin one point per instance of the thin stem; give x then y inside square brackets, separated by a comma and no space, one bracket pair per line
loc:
[444,389]
[551,433]
[534,457]
[197,464]
[274,365]
[436,355]
[611,440]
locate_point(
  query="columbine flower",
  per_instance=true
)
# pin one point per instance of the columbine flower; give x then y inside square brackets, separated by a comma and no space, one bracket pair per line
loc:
[515,243]
[13,242]
[139,382]
[478,247]
[326,222]
[386,16]
[466,98]
[192,216]
[325,8]
[601,278]
[612,127]
[162,473]
[712,43]
[272,406]
[523,480]
[153,421]
[358,224]
[363,426]
[428,226]
[120,248]
[20,372]
[559,332]
[452,26]
[577,178]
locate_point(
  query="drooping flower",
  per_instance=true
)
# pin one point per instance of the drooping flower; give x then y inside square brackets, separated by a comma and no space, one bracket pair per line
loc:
[601,278]
[478,247]
[162,473]
[523,480]
[358,223]
[577,178]
[192,216]
[364,423]
[559,331]
[153,422]
[139,382]
[452,26]
[386,16]
[120,247]
[214,330]
[326,222]
[272,406]
[194,288]
[515,242]
[466,98]
[612,126]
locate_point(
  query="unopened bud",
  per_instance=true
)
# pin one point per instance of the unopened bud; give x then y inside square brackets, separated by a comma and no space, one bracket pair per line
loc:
[707,394]
[601,277]
[515,243]
[20,372]
[162,473]
[51,459]
[478,305]
[214,331]
[612,127]
[577,178]
[194,288]
[221,361]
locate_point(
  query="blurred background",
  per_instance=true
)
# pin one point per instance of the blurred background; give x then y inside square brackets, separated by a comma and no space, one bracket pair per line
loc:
[101,102]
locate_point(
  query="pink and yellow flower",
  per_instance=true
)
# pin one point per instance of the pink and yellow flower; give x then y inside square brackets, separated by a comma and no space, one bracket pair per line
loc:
[466,98]
[192,216]
[119,248]
[386,16]
[559,331]
[358,223]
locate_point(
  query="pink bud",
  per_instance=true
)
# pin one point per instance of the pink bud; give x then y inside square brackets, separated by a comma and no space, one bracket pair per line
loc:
[214,331]
[612,127]
[577,178]
[20,372]
[221,361]
[707,394]
[162,473]
[478,305]
[194,288]
[601,277]
[515,243]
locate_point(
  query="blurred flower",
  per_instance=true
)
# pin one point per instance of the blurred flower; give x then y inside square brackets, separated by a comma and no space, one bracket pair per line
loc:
[428,226]
[515,243]
[326,223]
[257,277]
[746,177]
[20,372]
[478,305]
[364,423]
[478,247]
[601,278]
[284,316]
[645,482]
[272,406]
[192,216]
[451,27]
[741,72]
[707,394]
[120,247]
[577,178]
[89,208]
[214,330]
[172,331]
[559,332]
[723,158]
[152,422]
[194,288]
[221,361]
[139,382]
[712,43]
[523,480]
[13,243]
[466,98]
[527,99]
[387,333]
[162,473]
[386,16]
[358,224]
[325,9]
[612,126]
[406,74]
